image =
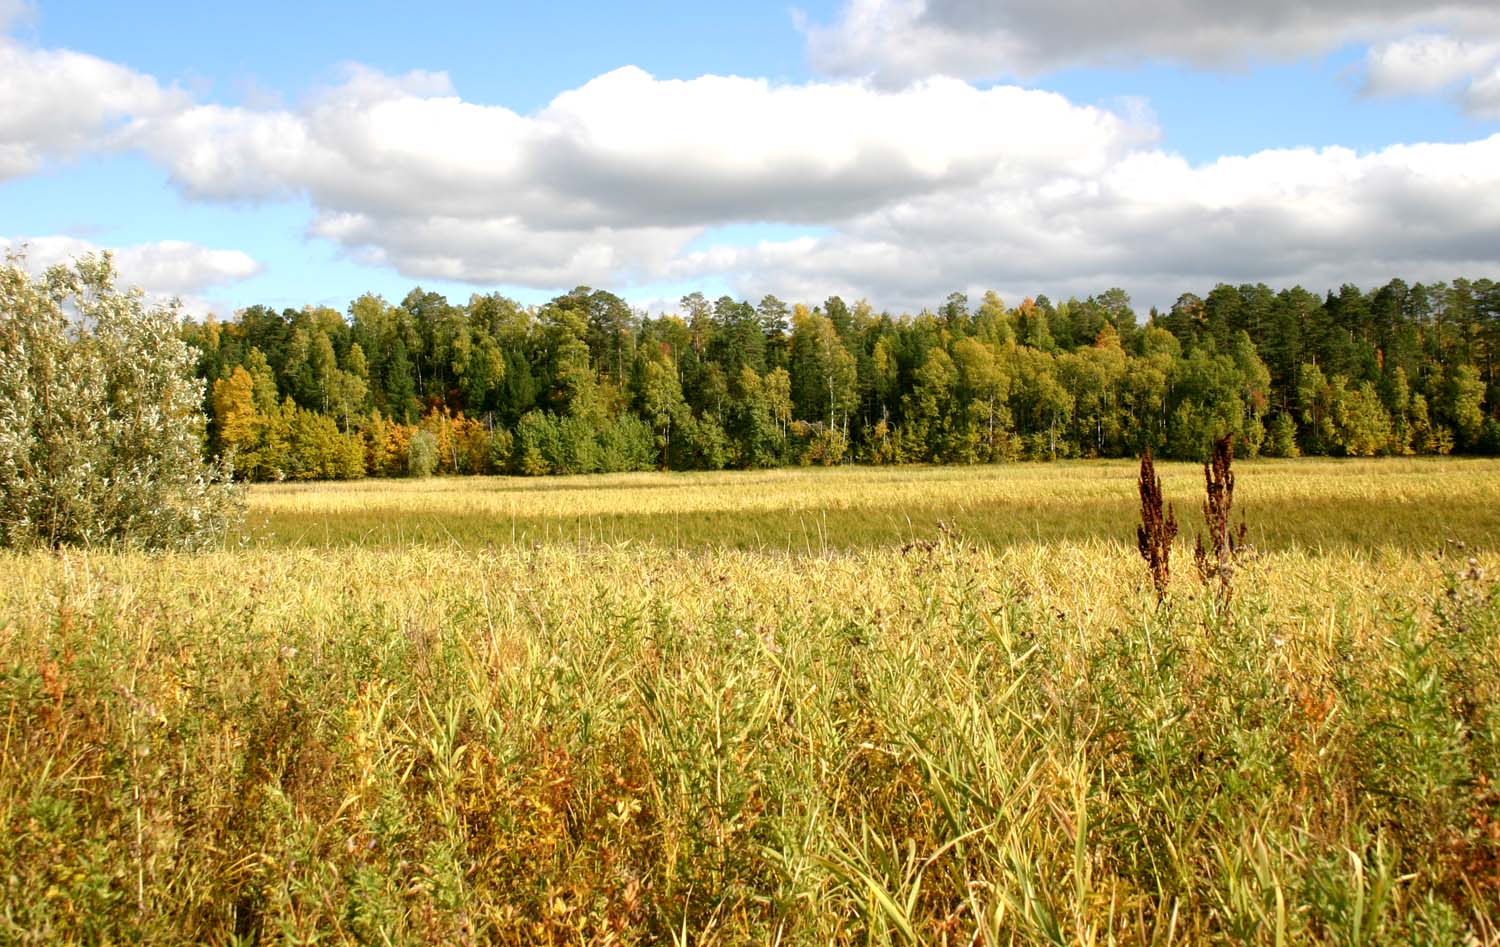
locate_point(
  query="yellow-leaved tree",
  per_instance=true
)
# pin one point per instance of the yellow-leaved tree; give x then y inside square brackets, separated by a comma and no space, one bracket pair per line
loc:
[237,433]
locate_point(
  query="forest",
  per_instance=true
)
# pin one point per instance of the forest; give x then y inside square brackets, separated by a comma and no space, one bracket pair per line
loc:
[585,384]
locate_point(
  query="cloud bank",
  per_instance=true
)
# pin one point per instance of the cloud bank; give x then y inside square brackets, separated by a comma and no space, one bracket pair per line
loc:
[915,191]
[1157,225]
[905,192]
[896,41]
[611,180]
[1426,64]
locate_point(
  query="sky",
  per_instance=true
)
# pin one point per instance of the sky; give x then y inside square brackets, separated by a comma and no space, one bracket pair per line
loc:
[889,150]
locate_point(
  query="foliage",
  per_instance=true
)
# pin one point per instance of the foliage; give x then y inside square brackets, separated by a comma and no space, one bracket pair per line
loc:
[421,454]
[1400,370]
[101,423]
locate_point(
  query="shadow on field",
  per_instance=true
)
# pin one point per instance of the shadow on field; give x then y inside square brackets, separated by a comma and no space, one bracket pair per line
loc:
[1318,525]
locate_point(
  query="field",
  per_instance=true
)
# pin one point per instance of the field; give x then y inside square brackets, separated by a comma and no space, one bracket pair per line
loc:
[839,706]
[1414,505]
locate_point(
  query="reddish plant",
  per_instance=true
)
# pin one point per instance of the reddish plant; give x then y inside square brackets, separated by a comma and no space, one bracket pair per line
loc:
[1216,562]
[1158,527]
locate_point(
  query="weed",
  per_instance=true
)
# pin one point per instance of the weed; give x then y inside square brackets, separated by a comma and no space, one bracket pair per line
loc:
[1153,538]
[1216,563]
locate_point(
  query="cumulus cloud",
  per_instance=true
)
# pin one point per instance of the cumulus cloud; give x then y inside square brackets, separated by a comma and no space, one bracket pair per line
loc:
[1431,63]
[907,192]
[616,176]
[504,249]
[629,149]
[59,103]
[899,40]
[165,270]
[1482,98]
[916,191]
[1158,225]
[1425,63]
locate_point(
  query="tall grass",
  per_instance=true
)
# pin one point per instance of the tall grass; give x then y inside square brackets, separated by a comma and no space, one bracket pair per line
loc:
[941,741]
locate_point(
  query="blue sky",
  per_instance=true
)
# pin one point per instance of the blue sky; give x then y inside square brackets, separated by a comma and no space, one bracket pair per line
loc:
[888,149]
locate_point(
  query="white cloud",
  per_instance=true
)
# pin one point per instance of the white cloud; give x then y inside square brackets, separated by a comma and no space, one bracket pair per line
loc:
[919,190]
[628,149]
[899,40]
[165,270]
[174,267]
[504,249]
[1425,63]
[1482,98]
[1429,63]
[1157,225]
[59,103]
[914,191]
[613,178]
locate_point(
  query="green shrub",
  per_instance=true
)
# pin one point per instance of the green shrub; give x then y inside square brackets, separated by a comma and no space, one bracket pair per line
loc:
[536,444]
[699,444]
[319,451]
[502,448]
[101,422]
[818,444]
[578,447]
[1281,436]
[627,444]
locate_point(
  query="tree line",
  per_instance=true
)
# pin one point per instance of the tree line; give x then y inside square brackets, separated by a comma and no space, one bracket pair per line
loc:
[586,384]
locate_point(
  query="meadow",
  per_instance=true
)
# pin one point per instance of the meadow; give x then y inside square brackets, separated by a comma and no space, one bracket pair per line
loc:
[1412,504]
[843,706]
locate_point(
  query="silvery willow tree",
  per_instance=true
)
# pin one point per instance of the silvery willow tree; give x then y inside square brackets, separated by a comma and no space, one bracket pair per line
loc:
[101,418]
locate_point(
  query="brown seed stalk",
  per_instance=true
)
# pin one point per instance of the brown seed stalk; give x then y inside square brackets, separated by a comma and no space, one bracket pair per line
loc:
[1158,527]
[1216,562]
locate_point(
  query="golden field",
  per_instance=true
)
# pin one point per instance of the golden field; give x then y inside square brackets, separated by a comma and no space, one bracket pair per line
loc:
[1413,504]
[838,706]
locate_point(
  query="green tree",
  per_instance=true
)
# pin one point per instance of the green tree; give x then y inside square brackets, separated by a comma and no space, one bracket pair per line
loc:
[927,428]
[1462,404]
[1207,403]
[351,394]
[983,387]
[772,315]
[823,372]
[1362,427]
[754,432]
[1315,399]
[421,454]
[1043,404]
[400,386]
[660,402]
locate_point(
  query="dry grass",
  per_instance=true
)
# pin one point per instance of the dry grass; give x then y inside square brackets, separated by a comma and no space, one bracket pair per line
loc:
[1329,504]
[943,739]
